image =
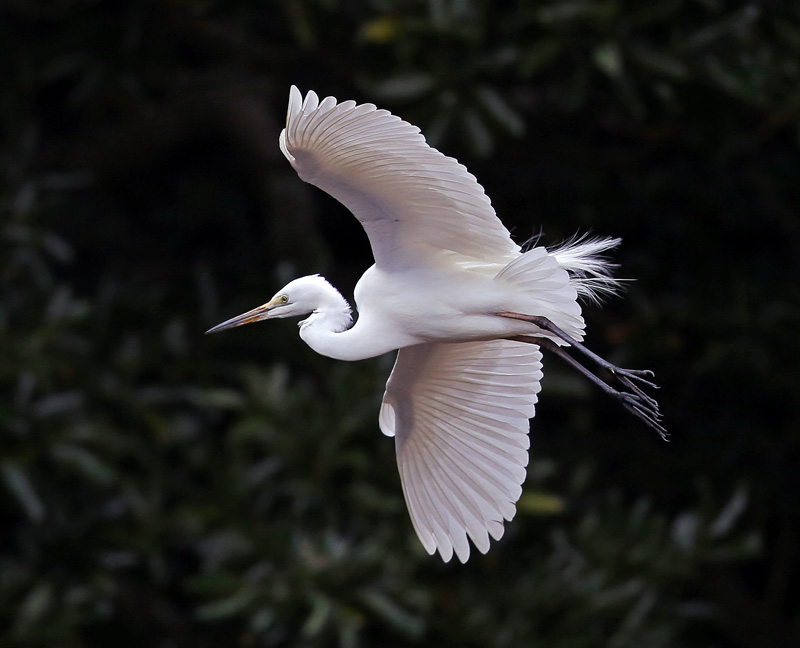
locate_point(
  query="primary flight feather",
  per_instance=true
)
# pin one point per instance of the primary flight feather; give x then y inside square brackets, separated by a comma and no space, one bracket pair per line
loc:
[467,309]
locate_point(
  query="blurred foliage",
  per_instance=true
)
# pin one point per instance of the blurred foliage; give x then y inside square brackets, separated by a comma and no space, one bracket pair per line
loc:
[159,488]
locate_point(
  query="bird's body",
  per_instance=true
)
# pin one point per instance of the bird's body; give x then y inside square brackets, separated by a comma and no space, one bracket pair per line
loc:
[463,312]
[466,307]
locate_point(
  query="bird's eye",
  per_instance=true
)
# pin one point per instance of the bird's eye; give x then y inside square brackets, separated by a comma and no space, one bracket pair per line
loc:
[284,299]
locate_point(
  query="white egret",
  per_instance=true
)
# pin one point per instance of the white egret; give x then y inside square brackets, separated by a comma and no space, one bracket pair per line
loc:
[467,308]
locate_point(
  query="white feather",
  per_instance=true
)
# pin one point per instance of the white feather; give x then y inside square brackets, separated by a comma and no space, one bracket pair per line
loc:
[414,202]
[462,437]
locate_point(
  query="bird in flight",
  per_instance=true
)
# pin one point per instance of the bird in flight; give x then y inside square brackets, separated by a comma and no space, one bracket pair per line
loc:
[468,310]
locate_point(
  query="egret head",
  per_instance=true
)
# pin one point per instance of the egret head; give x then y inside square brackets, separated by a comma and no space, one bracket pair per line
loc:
[297,298]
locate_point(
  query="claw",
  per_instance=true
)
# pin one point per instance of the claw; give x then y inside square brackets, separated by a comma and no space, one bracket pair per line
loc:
[635,388]
[632,398]
[649,418]
[635,374]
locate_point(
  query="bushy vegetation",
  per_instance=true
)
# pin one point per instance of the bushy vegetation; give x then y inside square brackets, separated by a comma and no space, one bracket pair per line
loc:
[162,488]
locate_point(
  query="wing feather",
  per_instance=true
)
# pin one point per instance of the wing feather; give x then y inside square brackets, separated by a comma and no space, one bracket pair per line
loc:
[459,414]
[413,202]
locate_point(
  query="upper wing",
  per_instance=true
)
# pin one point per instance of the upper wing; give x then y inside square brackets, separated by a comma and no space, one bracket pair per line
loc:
[460,416]
[413,201]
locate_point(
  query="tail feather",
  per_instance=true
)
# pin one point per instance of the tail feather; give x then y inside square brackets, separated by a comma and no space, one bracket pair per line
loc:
[543,287]
[590,271]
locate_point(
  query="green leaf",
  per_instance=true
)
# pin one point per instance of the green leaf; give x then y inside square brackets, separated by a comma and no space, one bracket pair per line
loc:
[496,106]
[213,583]
[608,57]
[540,503]
[659,62]
[261,621]
[730,514]
[684,531]
[321,609]
[226,607]
[217,398]
[409,624]
[83,462]
[58,403]
[736,21]
[728,79]
[539,56]
[410,85]
[35,606]
[568,11]
[381,30]
[18,483]
[478,136]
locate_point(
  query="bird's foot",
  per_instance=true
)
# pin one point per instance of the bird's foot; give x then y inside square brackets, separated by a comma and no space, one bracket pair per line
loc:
[642,407]
[632,376]
[631,395]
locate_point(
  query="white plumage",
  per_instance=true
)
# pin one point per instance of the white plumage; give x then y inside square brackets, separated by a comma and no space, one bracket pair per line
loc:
[460,413]
[414,202]
[467,309]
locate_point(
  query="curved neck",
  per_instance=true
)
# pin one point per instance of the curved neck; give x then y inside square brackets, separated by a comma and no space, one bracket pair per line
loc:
[322,328]
[330,332]
[357,343]
[323,333]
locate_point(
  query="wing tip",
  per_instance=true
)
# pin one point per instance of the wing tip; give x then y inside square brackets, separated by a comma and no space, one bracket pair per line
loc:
[310,103]
[387,418]
[295,103]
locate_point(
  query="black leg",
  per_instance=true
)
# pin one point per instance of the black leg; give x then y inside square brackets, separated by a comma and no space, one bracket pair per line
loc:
[632,398]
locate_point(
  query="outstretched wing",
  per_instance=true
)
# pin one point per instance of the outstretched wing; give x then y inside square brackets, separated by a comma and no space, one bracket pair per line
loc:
[414,202]
[459,414]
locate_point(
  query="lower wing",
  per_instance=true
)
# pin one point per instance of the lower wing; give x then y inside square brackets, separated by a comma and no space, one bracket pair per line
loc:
[459,413]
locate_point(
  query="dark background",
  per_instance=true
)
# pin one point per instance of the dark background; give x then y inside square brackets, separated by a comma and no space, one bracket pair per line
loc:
[161,488]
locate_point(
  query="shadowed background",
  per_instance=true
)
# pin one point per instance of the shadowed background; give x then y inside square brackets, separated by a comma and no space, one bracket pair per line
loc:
[161,488]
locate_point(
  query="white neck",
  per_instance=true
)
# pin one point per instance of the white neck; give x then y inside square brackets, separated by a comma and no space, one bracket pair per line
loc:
[329,330]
